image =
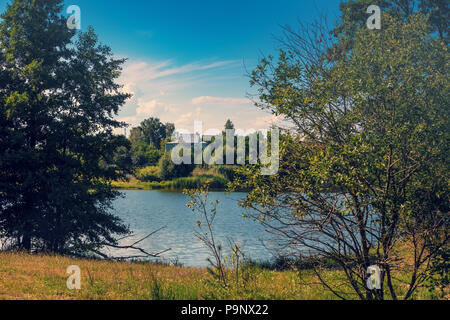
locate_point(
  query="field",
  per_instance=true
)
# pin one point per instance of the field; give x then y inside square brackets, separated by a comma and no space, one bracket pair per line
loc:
[24,276]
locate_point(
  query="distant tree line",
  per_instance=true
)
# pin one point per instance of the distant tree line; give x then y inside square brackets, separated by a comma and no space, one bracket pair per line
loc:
[146,144]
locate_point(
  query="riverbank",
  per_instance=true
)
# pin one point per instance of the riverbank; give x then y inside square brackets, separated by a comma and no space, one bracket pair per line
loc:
[24,276]
[200,176]
[216,183]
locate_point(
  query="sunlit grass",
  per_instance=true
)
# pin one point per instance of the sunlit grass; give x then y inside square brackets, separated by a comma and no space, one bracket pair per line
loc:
[216,182]
[24,276]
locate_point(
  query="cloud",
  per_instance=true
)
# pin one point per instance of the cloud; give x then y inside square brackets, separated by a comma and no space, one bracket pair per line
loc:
[182,94]
[219,100]
[268,121]
[144,71]
[150,108]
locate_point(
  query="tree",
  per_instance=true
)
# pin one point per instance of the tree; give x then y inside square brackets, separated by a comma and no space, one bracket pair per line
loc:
[229,125]
[147,141]
[153,132]
[169,170]
[170,129]
[136,136]
[354,16]
[365,172]
[439,11]
[58,97]
[143,154]
[122,156]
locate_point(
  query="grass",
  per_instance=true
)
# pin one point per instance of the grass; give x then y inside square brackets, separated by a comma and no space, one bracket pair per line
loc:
[198,178]
[24,276]
[216,183]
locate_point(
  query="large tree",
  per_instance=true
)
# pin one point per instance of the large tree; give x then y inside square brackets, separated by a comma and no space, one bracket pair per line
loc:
[147,141]
[58,99]
[364,171]
[153,131]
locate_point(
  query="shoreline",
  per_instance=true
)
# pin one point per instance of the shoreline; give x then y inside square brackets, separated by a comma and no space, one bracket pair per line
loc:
[179,184]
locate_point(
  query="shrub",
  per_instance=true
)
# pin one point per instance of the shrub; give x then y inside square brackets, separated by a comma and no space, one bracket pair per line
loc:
[227,171]
[148,174]
[169,170]
[153,156]
[144,155]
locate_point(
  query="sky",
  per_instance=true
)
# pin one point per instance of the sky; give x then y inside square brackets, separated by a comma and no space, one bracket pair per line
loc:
[188,60]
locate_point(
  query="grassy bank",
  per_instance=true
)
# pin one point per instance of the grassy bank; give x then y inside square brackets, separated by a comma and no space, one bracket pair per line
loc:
[199,177]
[216,183]
[24,276]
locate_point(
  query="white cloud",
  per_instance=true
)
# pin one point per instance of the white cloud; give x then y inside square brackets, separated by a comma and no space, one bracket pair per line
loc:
[268,121]
[219,100]
[150,108]
[182,94]
[144,71]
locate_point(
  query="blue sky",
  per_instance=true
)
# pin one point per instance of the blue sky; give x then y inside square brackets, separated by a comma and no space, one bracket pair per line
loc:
[187,59]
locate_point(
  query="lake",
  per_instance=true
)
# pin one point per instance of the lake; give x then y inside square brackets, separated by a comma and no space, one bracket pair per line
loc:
[146,211]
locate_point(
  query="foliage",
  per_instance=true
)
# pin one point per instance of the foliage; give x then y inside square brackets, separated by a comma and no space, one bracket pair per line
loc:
[231,274]
[227,171]
[148,174]
[152,132]
[169,170]
[143,154]
[229,125]
[440,278]
[58,99]
[122,158]
[216,183]
[367,165]
[354,17]
[147,141]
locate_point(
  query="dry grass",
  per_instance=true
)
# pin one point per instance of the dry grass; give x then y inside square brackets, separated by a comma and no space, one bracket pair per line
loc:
[24,276]
[33,277]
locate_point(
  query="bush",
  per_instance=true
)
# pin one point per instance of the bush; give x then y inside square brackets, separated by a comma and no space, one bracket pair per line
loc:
[148,174]
[169,170]
[153,156]
[145,155]
[227,171]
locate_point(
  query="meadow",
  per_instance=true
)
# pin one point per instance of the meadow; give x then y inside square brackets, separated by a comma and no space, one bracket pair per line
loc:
[33,277]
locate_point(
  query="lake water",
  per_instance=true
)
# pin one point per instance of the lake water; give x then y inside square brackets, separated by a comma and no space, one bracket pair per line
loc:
[146,211]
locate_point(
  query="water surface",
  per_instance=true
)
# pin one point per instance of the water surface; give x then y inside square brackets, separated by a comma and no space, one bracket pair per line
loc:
[146,211]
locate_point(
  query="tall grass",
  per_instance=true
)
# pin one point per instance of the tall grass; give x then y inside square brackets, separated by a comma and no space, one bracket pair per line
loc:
[216,182]
[24,276]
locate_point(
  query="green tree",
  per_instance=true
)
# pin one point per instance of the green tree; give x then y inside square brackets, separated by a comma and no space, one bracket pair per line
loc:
[58,97]
[354,17]
[136,136]
[229,125]
[169,170]
[439,11]
[143,154]
[122,156]
[170,129]
[147,141]
[153,131]
[366,171]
